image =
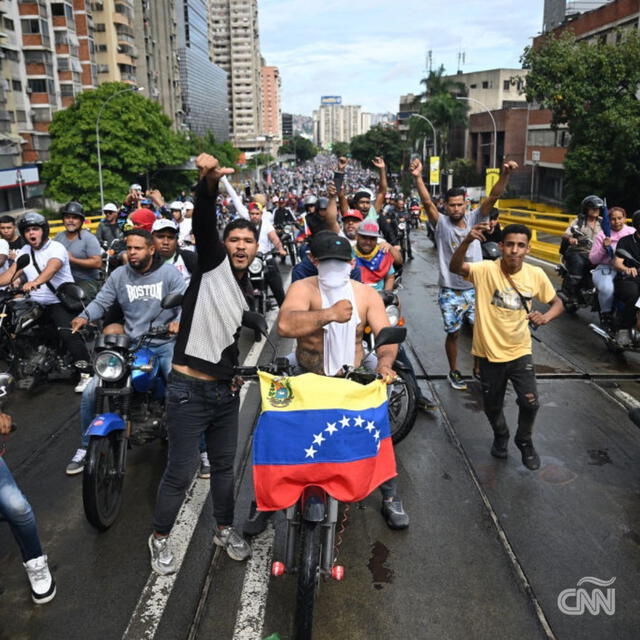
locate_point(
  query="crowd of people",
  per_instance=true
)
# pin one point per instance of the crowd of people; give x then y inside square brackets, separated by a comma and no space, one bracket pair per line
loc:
[348,227]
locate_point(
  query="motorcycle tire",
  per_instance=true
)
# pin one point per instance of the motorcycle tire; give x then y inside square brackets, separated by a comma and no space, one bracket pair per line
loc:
[292,255]
[101,481]
[403,405]
[308,578]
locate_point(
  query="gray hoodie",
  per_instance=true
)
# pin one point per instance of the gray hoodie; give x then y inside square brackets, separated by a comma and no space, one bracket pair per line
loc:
[139,296]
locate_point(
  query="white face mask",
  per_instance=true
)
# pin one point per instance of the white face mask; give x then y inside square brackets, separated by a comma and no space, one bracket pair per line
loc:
[333,274]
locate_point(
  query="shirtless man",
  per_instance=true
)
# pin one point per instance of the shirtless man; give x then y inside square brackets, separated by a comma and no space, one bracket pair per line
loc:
[327,314]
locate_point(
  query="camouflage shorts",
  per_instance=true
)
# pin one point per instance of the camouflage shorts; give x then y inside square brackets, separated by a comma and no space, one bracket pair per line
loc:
[457,306]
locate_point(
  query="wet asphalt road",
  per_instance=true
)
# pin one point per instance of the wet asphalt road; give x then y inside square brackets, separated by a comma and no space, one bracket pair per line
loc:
[490,546]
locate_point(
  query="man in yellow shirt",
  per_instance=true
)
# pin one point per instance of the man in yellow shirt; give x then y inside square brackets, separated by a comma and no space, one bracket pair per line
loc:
[505,290]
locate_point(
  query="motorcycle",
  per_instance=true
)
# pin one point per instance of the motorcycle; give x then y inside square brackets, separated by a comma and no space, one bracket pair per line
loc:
[584,293]
[618,338]
[110,255]
[287,238]
[32,350]
[130,410]
[415,216]
[258,278]
[310,549]
[403,237]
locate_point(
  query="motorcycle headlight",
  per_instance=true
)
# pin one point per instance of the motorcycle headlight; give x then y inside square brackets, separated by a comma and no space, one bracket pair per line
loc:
[402,226]
[255,266]
[393,313]
[288,229]
[109,365]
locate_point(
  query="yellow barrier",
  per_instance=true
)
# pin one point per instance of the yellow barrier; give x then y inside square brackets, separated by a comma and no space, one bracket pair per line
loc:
[91,223]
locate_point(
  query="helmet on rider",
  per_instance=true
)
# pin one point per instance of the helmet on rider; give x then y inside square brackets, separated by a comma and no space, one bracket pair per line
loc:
[73,209]
[591,202]
[635,219]
[34,219]
[310,201]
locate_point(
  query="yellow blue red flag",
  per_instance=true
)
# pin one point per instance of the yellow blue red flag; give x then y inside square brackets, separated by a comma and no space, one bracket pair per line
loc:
[315,430]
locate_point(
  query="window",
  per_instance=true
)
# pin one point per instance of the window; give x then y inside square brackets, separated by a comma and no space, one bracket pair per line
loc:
[21,115]
[10,54]
[100,27]
[486,84]
[37,85]
[63,64]
[66,90]
[506,85]
[101,48]
[12,116]
[8,24]
[31,26]
[473,86]
[16,85]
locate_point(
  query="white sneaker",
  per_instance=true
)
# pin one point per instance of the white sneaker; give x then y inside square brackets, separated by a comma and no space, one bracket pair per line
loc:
[43,586]
[83,382]
[162,560]
[205,467]
[77,462]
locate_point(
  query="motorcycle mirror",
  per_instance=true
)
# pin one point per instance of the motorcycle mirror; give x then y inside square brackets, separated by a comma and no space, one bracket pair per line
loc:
[22,261]
[255,321]
[634,414]
[390,335]
[171,301]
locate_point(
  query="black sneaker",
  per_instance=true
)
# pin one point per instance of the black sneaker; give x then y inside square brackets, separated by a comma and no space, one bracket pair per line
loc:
[257,522]
[425,404]
[499,447]
[394,514]
[530,457]
[456,380]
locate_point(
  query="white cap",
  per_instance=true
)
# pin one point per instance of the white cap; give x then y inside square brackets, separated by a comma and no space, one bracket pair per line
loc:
[188,204]
[176,204]
[110,207]
[135,187]
[164,223]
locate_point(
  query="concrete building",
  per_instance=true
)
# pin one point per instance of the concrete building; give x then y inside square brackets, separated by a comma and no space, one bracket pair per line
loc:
[287,126]
[271,111]
[495,88]
[337,122]
[235,46]
[407,106]
[556,12]
[115,39]
[204,84]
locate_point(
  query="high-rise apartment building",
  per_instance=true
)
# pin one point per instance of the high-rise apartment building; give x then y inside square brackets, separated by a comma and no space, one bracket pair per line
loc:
[204,84]
[271,112]
[235,46]
[337,122]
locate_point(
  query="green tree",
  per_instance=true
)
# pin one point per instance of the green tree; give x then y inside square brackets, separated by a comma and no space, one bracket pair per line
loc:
[225,152]
[378,141]
[592,88]
[439,105]
[465,173]
[303,148]
[340,149]
[136,139]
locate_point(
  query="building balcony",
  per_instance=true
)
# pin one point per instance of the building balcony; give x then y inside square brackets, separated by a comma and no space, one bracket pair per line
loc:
[123,58]
[119,18]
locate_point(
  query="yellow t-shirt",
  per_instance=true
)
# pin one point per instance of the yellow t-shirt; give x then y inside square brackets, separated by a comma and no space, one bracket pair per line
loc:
[501,332]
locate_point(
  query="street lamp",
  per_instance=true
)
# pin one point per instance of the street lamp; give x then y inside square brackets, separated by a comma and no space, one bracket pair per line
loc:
[104,104]
[435,140]
[495,129]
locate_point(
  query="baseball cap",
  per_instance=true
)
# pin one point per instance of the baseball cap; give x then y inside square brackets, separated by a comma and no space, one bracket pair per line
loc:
[110,207]
[254,205]
[362,193]
[353,213]
[163,223]
[188,205]
[327,245]
[176,204]
[369,228]
[143,219]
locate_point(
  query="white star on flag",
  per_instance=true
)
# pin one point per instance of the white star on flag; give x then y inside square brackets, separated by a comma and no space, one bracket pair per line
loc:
[376,435]
[344,422]
[331,428]
[310,452]
[370,427]
[318,438]
[358,421]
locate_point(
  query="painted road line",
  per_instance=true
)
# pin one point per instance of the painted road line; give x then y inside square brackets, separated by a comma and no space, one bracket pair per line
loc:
[153,600]
[253,599]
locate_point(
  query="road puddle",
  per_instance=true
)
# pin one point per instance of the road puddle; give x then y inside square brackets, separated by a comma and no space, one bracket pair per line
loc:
[380,574]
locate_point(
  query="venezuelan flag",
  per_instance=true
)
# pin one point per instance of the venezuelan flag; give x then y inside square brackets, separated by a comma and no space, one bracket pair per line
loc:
[315,430]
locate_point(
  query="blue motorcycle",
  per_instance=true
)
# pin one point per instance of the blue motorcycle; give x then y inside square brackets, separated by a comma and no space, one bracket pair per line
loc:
[130,409]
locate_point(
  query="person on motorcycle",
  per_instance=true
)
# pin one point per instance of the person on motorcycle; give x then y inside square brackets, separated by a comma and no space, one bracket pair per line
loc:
[350,222]
[9,232]
[85,253]
[399,213]
[576,244]
[165,238]
[48,269]
[201,394]
[605,273]
[456,297]
[627,282]
[108,229]
[326,315]
[17,511]
[283,216]
[183,223]
[376,266]
[505,289]
[137,290]
[267,240]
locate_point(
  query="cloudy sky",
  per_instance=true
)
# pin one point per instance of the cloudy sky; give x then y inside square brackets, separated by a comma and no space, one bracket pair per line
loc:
[371,51]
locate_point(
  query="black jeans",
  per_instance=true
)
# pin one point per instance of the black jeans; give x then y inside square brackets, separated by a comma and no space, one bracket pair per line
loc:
[494,377]
[274,280]
[579,267]
[196,407]
[57,315]
[627,290]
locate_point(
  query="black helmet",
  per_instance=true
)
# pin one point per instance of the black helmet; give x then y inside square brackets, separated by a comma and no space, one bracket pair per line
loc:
[73,209]
[635,219]
[34,219]
[591,202]
[490,251]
